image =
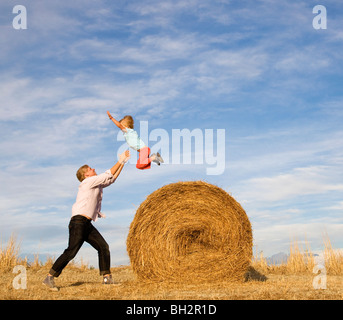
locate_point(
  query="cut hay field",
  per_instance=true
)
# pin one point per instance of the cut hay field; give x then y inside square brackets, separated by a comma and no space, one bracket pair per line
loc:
[86,285]
[290,281]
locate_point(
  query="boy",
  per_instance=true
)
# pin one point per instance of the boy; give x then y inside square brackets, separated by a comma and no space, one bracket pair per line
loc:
[126,125]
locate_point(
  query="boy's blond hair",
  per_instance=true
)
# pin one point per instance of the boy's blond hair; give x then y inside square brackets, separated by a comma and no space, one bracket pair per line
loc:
[80,174]
[127,122]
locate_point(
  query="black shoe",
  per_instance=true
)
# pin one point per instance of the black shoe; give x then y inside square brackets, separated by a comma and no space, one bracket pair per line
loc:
[108,280]
[155,158]
[49,282]
[159,158]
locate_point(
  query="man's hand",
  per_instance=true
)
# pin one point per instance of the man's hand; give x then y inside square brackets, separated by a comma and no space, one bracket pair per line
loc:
[116,169]
[124,157]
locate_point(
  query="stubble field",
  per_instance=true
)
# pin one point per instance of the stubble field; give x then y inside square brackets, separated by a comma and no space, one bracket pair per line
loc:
[86,285]
[293,280]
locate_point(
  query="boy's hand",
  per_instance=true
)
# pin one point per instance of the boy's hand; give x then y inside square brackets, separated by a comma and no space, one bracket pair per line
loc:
[110,116]
[117,123]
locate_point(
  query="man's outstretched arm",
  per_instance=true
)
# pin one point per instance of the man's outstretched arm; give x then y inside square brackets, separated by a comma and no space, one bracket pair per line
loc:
[116,169]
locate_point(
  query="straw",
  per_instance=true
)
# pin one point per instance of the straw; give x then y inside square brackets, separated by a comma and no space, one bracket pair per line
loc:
[190,231]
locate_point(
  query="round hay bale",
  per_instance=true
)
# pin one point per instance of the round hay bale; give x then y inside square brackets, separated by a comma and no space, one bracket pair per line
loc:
[190,231]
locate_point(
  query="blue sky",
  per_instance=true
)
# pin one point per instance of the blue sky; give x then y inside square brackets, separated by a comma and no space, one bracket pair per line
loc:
[257,69]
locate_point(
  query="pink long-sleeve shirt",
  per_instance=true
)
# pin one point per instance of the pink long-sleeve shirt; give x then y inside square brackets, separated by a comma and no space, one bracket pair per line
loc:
[89,196]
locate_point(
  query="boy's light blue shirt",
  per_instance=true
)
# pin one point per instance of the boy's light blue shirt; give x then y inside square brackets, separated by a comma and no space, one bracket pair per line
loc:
[133,140]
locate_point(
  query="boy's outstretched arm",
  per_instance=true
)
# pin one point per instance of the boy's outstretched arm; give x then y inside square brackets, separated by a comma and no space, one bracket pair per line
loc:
[117,123]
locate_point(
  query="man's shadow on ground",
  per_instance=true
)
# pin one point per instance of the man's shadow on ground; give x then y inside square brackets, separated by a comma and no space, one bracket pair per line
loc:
[253,274]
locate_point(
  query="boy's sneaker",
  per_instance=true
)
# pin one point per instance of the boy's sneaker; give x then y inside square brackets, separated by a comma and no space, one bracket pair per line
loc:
[155,158]
[49,282]
[108,280]
[159,158]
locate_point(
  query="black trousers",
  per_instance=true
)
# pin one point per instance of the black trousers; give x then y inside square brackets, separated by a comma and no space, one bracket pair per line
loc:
[81,230]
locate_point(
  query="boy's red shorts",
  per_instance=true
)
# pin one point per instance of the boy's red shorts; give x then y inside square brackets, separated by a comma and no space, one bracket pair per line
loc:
[143,161]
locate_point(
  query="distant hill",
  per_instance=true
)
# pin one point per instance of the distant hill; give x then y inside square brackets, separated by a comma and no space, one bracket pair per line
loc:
[278,258]
[281,257]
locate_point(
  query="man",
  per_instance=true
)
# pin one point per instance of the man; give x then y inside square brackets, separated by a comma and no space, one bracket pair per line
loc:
[87,208]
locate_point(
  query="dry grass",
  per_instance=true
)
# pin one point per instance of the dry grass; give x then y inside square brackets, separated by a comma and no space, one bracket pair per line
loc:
[287,281]
[86,285]
[190,231]
[9,255]
[333,259]
[302,261]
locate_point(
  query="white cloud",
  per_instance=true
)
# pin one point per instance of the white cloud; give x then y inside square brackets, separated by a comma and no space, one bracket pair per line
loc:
[21,96]
[279,237]
[305,60]
[299,182]
[27,187]
[165,8]
[337,206]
